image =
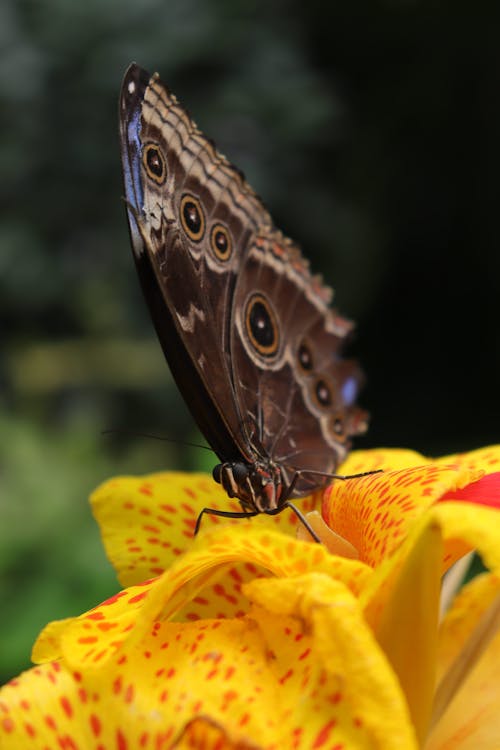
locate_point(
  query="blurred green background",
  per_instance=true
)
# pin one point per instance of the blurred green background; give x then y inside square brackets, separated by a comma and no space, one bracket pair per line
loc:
[372,131]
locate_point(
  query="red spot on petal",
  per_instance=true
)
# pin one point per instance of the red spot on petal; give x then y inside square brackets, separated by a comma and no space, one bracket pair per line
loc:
[323,734]
[66,706]
[95,616]
[50,722]
[200,600]
[129,694]
[95,725]
[121,742]
[30,730]
[8,725]
[305,654]
[138,597]
[113,599]
[335,698]
[286,676]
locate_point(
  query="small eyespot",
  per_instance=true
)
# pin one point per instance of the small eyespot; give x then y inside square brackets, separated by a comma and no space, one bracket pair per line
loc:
[154,163]
[221,242]
[322,392]
[192,218]
[305,358]
[261,325]
[337,425]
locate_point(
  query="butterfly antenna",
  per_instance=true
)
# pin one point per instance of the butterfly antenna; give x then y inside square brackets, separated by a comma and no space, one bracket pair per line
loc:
[119,431]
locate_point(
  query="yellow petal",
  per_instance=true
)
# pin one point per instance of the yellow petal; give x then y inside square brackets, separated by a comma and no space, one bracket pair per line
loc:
[407,629]
[148,522]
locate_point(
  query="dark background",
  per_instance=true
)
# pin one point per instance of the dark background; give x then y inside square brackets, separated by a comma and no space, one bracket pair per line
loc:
[372,132]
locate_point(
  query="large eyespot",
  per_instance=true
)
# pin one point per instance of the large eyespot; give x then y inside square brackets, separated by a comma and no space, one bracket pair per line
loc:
[304,357]
[192,217]
[323,392]
[154,163]
[261,325]
[221,243]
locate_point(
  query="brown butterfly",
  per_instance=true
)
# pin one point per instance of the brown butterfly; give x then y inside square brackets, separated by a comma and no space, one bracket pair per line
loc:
[248,332]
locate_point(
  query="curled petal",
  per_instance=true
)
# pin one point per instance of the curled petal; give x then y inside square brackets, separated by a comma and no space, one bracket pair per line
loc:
[201,584]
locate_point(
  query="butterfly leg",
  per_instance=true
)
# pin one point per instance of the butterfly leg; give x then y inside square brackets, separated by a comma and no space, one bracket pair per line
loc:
[224,514]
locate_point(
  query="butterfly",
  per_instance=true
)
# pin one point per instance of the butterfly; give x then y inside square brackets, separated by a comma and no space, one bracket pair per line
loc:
[248,332]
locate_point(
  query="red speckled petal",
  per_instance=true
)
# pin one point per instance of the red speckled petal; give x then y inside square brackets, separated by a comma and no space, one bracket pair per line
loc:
[147,522]
[200,584]
[387,459]
[302,670]
[94,637]
[375,512]
[337,686]
[485,459]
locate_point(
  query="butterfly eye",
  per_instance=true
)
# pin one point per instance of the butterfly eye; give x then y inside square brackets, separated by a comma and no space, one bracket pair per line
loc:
[305,358]
[221,243]
[154,162]
[192,218]
[261,325]
[323,393]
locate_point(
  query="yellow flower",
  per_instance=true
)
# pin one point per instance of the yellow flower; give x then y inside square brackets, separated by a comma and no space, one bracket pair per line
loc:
[250,638]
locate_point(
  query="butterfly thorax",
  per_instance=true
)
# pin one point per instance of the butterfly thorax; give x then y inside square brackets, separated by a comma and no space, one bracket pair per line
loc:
[257,485]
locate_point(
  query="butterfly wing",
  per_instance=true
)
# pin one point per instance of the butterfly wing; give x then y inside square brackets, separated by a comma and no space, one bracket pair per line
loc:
[247,331]
[191,216]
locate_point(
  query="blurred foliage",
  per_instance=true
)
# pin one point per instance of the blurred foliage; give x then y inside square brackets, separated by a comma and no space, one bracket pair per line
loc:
[371,131]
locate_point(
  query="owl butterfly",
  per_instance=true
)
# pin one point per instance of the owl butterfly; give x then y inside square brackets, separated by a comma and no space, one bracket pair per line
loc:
[247,331]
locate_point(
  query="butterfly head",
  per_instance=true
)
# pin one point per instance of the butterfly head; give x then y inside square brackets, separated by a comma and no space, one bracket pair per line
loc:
[257,485]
